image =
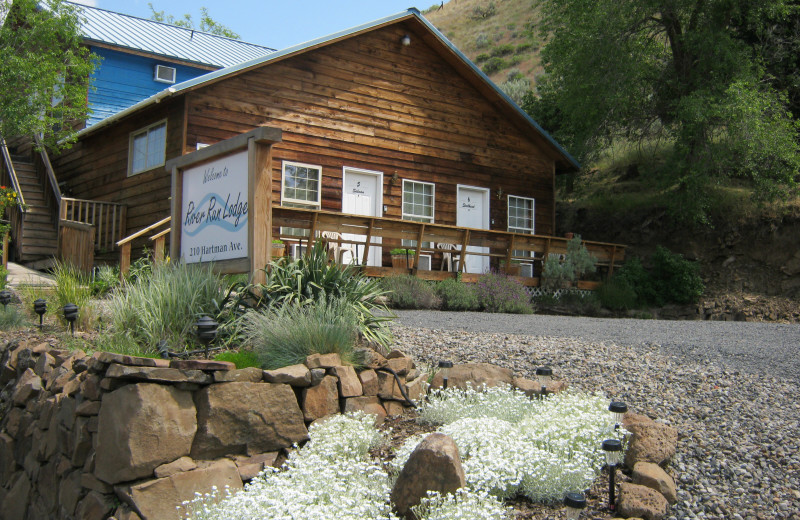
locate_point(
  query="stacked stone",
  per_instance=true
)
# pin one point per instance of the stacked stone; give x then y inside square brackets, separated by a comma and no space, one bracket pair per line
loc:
[81,434]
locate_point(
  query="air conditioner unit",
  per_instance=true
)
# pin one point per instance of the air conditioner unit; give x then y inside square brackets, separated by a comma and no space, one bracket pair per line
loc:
[424,262]
[526,270]
[164,74]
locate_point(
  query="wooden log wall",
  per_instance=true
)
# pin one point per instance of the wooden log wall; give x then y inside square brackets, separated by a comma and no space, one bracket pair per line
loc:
[369,102]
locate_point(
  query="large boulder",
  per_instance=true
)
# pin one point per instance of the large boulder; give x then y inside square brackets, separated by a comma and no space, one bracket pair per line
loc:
[235,418]
[321,400]
[159,499]
[641,501]
[349,384]
[142,426]
[16,503]
[28,387]
[295,375]
[652,476]
[651,441]
[434,465]
[474,374]
[368,405]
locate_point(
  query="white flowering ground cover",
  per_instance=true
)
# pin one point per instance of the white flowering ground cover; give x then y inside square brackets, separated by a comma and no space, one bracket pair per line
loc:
[509,445]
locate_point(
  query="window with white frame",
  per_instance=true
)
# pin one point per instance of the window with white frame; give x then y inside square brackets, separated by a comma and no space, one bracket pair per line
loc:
[520,218]
[148,148]
[301,187]
[418,205]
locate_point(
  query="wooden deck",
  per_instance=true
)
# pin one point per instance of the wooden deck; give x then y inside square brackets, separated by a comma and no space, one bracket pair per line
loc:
[389,233]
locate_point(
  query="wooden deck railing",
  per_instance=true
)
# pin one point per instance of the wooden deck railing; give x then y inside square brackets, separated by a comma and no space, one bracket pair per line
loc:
[108,218]
[125,244]
[387,233]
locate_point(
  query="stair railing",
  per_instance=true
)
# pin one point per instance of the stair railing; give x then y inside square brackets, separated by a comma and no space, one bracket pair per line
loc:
[125,245]
[12,173]
[108,218]
[15,214]
[48,167]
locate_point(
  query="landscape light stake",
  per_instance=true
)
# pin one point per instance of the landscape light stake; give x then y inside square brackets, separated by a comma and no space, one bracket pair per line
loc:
[206,331]
[71,314]
[40,307]
[544,374]
[613,451]
[617,409]
[5,298]
[575,503]
[445,367]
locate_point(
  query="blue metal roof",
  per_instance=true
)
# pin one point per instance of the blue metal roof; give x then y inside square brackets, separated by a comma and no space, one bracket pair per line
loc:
[300,48]
[166,40]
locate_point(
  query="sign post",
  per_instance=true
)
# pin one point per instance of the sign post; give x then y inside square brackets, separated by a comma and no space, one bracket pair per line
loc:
[222,204]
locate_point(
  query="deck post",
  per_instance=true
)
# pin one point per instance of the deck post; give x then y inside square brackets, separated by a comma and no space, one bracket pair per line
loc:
[124,260]
[367,242]
[463,260]
[5,250]
[416,250]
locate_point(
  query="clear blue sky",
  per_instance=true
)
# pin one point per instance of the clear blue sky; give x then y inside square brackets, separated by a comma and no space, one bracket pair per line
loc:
[277,24]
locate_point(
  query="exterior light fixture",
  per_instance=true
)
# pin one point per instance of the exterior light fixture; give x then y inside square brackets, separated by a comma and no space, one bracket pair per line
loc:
[40,307]
[5,298]
[206,331]
[71,314]
[406,40]
[613,451]
[544,375]
[445,367]
[575,503]
[617,409]
[163,349]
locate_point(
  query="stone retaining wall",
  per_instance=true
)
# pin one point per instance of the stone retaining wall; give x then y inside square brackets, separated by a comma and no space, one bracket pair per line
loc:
[80,435]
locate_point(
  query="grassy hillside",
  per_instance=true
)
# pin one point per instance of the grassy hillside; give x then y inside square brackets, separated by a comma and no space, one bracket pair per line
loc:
[500,36]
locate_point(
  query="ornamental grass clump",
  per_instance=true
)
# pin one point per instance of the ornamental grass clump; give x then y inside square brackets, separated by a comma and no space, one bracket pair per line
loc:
[510,445]
[286,335]
[499,293]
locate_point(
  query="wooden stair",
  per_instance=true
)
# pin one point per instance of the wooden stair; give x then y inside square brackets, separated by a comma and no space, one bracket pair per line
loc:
[39,241]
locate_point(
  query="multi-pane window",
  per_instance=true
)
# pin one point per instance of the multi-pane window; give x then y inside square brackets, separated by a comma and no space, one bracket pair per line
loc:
[148,148]
[520,218]
[300,188]
[418,204]
[301,185]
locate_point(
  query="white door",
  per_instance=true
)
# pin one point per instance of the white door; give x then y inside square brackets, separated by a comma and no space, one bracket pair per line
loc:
[362,194]
[473,212]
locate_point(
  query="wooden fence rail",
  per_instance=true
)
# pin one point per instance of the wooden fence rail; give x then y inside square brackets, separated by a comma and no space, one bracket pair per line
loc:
[76,244]
[108,218]
[125,244]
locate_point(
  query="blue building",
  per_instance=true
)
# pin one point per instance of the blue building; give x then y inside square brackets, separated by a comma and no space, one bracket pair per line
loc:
[142,57]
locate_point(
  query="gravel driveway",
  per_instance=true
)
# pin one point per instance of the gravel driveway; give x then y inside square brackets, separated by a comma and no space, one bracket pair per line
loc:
[730,388]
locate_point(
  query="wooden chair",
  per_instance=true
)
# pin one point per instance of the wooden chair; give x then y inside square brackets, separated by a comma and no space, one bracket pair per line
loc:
[336,249]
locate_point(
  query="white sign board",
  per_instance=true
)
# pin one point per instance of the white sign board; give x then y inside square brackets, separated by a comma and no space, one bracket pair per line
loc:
[214,210]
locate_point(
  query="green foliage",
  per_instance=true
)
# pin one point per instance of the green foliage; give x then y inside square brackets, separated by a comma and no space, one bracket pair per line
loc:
[523,48]
[676,279]
[45,70]
[457,296]
[73,286]
[517,88]
[634,275]
[498,293]
[311,278]
[106,278]
[120,343]
[402,251]
[494,64]
[577,262]
[409,292]
[286,334]
[240,358]
[482,12]
[166,303]
[480,58]
[3,276]
[617,295]
[680,72]
[482,41]
[12,318]
[207,24]
[502,50]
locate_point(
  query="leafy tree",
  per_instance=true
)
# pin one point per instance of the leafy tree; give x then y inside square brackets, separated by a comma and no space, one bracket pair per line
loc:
[207,24]
[678,70]
[44,72]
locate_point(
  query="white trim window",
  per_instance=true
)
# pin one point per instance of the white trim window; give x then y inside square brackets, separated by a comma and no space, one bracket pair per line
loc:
[301,185]
[148,148]
[521,218]
[418,205]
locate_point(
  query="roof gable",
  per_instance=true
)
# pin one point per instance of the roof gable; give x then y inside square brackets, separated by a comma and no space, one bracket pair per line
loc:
[138,34]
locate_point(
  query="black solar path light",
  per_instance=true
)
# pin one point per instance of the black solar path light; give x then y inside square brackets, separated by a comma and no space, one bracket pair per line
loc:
[617,409]
[445,367]
[5,298]
[206,331]
[574,503]
[71,314]
[544,375]
[40,307]
[613,451]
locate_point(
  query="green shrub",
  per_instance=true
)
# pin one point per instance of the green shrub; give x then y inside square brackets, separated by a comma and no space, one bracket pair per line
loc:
[73,286]
[617,295]
[240,358]
[502,50]
[516,89]
[515,60]
[677,280]
[494,64]
[635,276]
[480,58]
[409,292]
[482,41]
[3,276]
[311,278]
[165,303]
[577,262]
[285,335]
[483,12]
[402,251]
[12,318]
[523,47]
[457,296]
[106,278]
[499,293]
